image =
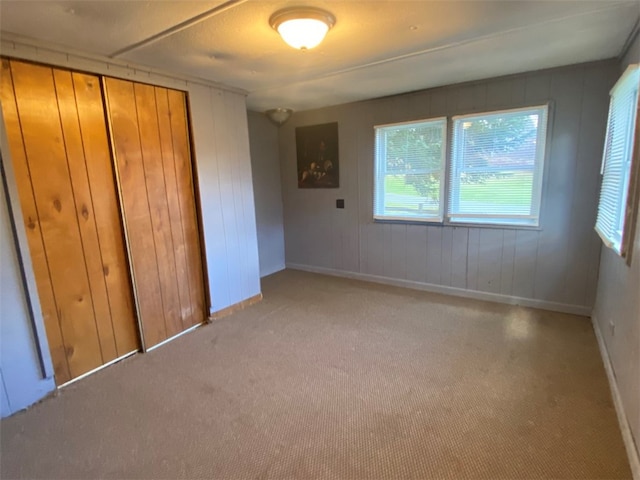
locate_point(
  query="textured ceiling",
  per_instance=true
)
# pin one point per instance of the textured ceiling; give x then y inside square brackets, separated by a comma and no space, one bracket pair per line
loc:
[376,48]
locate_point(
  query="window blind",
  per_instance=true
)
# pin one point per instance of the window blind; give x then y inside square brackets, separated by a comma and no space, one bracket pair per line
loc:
[616,160]
[409,170]
[496,167]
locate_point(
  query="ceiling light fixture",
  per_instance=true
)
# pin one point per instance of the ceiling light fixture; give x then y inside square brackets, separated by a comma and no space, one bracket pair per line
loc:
[278,115]
[302,27]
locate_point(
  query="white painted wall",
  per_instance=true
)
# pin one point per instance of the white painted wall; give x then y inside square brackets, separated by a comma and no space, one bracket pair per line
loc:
[223,164]
[555,267]
[23,380]
[221,143]
[617,313]
[267,190]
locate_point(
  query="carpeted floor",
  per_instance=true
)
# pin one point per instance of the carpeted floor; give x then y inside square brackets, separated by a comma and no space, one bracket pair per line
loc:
[332,378]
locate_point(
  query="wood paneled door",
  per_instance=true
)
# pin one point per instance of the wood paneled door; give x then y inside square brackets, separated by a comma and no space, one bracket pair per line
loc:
[55,123]
[150,135]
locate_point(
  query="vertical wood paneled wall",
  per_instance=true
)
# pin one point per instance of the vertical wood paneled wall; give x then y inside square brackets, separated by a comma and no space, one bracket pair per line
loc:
[61,159]
[151,142]
[555,266]
[221,145]
[221,148]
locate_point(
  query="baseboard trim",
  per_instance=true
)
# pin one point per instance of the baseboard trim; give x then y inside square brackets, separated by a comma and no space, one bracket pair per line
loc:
[458,292]
[225,312]
[271,271]
[627,436]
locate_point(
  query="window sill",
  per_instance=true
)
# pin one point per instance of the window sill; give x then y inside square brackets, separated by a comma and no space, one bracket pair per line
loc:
[440,223]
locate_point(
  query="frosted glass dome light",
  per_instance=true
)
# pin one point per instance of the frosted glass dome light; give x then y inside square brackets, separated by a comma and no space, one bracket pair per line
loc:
[278,115]
[302,27]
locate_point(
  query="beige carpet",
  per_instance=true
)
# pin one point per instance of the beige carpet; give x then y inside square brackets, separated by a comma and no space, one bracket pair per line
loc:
[331,378]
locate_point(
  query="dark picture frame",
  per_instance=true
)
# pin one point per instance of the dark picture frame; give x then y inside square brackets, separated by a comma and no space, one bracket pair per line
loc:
[317,156]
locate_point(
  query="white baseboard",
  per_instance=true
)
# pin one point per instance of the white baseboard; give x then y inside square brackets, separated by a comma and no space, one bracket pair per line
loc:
[272,270]
[627,437]
[458,292]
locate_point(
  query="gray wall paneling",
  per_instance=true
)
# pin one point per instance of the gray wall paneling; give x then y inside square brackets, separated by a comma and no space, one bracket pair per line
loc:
[553,267]
[616,317]
[265,167]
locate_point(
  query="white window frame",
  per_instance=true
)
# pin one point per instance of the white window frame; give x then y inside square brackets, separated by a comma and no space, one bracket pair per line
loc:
[610,222]
[444,217]
[501,220]
[380,162]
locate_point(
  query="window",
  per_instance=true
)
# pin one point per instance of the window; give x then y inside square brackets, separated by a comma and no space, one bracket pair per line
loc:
[496,167]
[616,161]
[410,171]
[494,171]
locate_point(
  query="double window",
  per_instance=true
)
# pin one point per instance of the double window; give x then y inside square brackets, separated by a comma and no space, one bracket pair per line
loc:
[615,201]
[493,174]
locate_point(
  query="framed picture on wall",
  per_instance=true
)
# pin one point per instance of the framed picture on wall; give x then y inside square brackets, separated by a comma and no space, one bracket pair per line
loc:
[317,155]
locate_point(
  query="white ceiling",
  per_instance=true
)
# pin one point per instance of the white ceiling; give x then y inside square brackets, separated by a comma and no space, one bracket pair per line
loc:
[376,48]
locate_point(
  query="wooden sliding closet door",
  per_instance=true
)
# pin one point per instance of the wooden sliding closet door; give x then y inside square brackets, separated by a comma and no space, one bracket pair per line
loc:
[57,134]
[151,146]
